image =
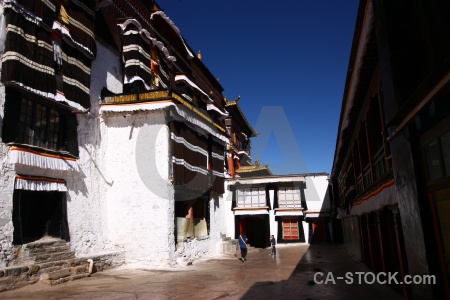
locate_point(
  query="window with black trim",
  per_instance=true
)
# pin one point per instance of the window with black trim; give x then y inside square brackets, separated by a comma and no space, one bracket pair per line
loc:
[33,121]
[38,125]
[251,197]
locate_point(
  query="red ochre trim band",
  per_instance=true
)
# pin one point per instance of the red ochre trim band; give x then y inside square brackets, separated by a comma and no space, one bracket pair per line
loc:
[376,192]
[43,154]
[40,179]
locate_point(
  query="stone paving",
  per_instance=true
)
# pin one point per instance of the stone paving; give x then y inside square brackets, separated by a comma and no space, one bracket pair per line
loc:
[289,275]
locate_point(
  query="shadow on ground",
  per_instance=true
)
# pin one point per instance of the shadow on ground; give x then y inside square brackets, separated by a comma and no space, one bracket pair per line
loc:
[302,284]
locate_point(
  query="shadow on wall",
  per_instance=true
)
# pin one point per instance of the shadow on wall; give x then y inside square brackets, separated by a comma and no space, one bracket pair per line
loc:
[325,228]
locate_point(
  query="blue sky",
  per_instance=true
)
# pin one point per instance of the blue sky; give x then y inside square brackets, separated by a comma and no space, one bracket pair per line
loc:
[287,60]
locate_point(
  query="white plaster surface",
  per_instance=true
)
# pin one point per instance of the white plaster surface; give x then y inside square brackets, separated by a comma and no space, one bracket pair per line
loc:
[316,196]
[140,213]
[229,214]
[316,193]
[7,176]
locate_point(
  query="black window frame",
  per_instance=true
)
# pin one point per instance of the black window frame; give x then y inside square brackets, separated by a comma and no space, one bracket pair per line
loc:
[20,127]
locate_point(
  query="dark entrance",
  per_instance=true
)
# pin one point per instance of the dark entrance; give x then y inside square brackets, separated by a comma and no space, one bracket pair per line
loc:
[256,228]
[39,214]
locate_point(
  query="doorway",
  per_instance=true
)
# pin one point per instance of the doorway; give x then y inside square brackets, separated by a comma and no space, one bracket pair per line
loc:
[256,228]
[37,214]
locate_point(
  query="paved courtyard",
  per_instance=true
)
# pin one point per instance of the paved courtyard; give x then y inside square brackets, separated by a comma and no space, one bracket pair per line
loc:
[289,275]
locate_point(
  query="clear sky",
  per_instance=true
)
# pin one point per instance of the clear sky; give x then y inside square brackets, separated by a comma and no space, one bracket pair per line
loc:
[287,60]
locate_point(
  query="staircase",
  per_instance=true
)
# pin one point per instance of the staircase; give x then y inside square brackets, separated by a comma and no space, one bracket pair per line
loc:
[231,246]
[51,261]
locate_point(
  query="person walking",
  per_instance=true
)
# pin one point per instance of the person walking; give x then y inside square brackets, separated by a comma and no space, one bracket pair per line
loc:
[243,245]
[273,242]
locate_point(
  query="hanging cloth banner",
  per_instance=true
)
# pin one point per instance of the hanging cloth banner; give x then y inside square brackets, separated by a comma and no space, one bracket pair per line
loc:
[189,157]
[77,25]
[137,28]
[383,196]
[29,157]
[39,184]
[217,166]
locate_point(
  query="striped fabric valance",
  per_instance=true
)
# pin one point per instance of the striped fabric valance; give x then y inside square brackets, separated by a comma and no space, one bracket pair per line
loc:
[39,184]
[217,166]
[33,158]
[137,59]
[197,160]
[189,158]
[76,24]
[28,57]
[132,26]
[76,70]
[40,12]
[49,48]
[385,195]
[141,53]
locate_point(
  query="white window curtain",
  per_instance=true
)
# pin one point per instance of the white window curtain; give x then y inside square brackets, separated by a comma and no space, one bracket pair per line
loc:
[33,158]
[39,184]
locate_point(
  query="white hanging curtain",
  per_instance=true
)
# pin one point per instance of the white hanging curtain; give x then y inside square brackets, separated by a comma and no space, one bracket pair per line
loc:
[34,183]
[384,196]
[29,157]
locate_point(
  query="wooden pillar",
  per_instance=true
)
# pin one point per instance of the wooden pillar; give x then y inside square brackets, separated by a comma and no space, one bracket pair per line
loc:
[231,166]
[382,245]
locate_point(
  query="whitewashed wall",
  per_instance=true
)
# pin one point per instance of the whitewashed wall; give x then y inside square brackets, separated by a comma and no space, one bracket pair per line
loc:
[121,199]
[229,214]
[139,200]
[6,177]
[86,207]
[316,195]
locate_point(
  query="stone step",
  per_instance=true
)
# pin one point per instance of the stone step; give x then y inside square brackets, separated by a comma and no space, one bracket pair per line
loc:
[47,267]
[41,244]
[226,238]
[53,257]
[65,275]
[65,279]
[36,251]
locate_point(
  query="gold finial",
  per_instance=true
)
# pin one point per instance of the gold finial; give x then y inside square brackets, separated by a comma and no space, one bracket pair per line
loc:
[199,55]
[257,163]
